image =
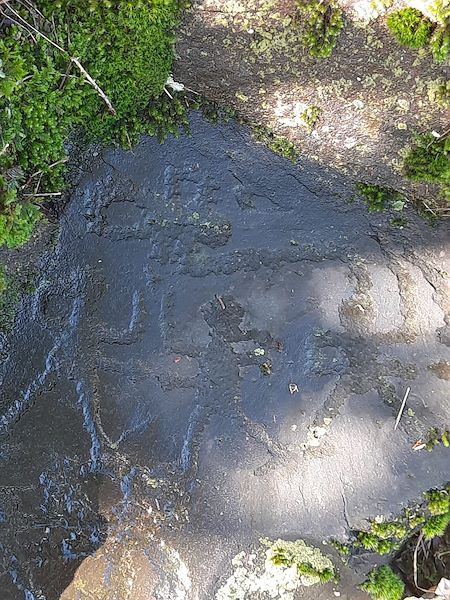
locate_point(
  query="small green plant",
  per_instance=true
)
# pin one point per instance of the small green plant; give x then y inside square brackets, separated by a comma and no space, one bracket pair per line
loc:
[340,547]
[436,525]
[436,437]
[309,561]
[438,501]
[388,529]
[310,116]
[277,143]
[410,27]
[383,584]
[379,199]
[322,23]
[372,542]
[428,160]
[440,44]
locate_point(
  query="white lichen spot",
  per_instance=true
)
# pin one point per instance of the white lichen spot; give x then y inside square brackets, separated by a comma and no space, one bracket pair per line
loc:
[256,574]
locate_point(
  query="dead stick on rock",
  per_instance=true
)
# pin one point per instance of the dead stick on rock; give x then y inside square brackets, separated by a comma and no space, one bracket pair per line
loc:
[402,408]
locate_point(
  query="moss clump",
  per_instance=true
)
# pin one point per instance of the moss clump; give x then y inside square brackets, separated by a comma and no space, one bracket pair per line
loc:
[309,561]
[322,23]
[383,584]
[438,501]
[372,542]
[310,116]
[389,529]
[125,46]
[436,525]
[410,27]
[277,143]
[379,199]
[340,547]
[429,160]
[440,44]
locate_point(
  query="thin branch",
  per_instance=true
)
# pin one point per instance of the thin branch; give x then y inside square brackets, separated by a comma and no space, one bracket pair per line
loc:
[402,408]
[416,549]
[26,24]
[43,195]
[95,85]
[41,171]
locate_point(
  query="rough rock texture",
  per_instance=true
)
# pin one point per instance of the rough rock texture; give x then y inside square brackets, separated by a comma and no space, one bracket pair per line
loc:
[136,419]
[373,94]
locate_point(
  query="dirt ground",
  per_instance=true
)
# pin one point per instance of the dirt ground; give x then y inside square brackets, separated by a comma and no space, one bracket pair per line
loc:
[374,95]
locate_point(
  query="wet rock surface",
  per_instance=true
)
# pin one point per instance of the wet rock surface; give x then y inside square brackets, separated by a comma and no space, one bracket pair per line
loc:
[149,432]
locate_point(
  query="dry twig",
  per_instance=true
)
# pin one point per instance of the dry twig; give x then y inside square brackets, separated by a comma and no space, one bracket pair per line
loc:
[402,408]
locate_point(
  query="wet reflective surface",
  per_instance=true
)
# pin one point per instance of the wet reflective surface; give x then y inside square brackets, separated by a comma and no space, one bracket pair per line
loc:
[148,429]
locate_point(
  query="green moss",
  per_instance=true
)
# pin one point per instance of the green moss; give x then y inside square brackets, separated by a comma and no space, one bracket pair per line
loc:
[383,584]
[277,143]
[429,160]
[440,44]
[127,47]
[340,547]
[436,525]
[322,23]
[389,529]
[310,116]
[410,27]
[416,520]
[372,542]
[309,561]
[379,199]
[436,437]
[438,501]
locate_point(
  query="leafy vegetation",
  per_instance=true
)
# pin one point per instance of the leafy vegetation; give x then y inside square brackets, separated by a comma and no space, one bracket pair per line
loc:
[438,501]
[309,561]
[310,116]
[410,27]
[372,542]
[436,525]
[440,44]
[277,143]
[429,160]
[125,47]
[383,584]
[322,23]
[379,199]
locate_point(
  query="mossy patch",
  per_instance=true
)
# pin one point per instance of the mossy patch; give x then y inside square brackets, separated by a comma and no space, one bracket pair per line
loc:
[428,160]
[322,23]
[380,199]
[438,501]
[309,562]
[383,584]
[436,525]
[44,96]
[410,27]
